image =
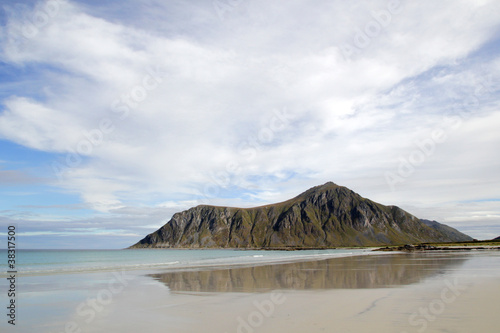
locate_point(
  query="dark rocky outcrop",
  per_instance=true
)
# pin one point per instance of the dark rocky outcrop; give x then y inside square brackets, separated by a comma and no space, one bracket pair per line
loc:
[323,217]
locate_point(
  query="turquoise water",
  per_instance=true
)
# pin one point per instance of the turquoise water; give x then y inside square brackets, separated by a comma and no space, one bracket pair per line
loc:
[38,262]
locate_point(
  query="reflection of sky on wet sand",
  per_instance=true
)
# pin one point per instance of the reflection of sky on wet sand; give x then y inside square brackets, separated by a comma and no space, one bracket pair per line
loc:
[374,271]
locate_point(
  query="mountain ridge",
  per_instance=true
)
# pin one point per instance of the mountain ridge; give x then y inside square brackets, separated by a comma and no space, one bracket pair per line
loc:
[323,216]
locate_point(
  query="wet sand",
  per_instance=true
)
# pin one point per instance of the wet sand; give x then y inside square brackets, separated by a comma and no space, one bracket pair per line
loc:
[419,292]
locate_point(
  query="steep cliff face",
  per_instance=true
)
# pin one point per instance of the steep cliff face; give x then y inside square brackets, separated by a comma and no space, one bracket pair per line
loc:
[324,216]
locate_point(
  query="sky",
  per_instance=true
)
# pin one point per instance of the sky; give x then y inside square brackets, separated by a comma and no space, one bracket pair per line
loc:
[114,115]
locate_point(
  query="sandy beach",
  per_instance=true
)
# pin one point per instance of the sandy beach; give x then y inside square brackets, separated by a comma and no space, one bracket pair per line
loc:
[392,292]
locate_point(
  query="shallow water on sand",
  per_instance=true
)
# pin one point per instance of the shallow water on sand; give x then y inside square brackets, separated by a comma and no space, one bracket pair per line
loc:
[42,262]
[374,271]
[216,298]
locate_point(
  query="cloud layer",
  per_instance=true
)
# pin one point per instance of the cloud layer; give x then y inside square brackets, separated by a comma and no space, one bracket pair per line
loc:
[147,103]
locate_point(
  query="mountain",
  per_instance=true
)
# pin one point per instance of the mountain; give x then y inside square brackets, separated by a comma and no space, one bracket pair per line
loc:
[452,233]
[324,216]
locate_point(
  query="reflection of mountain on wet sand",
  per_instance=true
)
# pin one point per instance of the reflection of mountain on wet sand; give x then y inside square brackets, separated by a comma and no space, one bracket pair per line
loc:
[374,271]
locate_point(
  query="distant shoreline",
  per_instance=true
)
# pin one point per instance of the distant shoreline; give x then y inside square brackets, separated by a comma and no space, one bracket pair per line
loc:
[284,248]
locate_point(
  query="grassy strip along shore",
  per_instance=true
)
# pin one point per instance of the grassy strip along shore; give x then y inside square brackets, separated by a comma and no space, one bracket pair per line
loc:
[455,246]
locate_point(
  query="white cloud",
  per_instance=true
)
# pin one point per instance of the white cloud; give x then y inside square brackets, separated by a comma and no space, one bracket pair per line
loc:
[185,101]
[36,126]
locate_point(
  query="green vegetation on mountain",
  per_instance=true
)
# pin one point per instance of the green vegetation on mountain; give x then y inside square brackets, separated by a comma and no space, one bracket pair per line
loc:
[323,217]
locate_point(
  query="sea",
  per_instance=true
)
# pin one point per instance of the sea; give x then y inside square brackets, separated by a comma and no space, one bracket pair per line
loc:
[44,262]
[178,290]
